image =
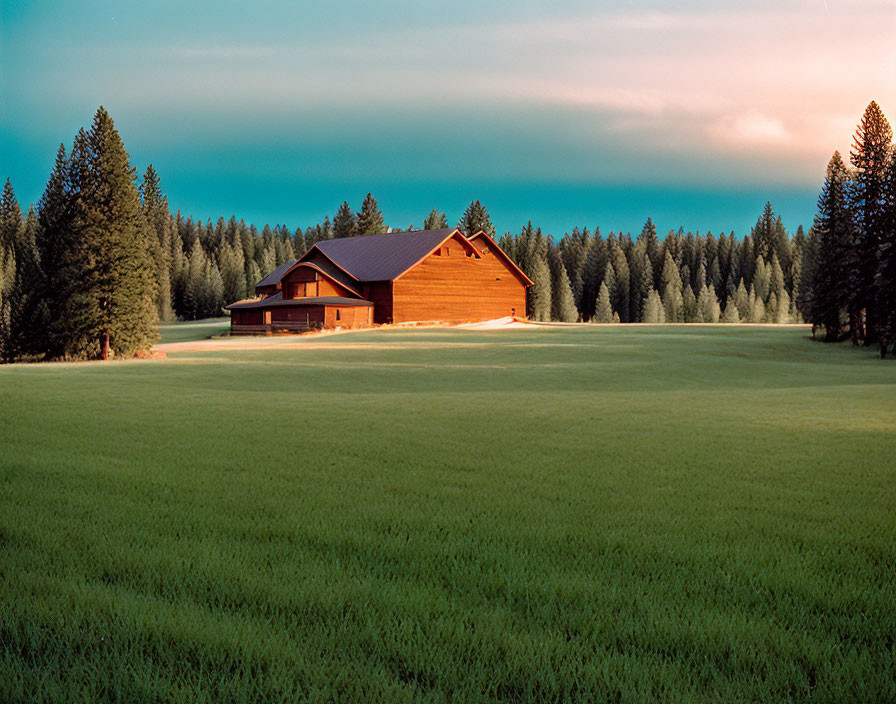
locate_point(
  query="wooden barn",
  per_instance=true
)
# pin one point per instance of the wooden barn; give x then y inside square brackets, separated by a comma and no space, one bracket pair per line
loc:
[399,277]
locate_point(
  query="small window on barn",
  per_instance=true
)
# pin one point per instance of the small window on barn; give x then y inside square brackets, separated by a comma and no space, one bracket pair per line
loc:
[338,317]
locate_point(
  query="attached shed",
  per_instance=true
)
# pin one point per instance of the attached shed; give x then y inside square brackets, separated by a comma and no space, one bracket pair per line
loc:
[275,313]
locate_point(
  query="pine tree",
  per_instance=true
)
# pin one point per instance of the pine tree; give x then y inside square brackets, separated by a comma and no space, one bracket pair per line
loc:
[563,307]
[769,237]
[28,313]
[827,289]
[103,274]
[214,291]
[54,216]
[196,286]
[708,309]
[10,234]
[771,309]
[158,216]
[621,290]
[870,156]
[253,277]
[670,273]
[7,279]
[641,280]
[436,220]
[603,312]
[689,310]
[654,311]
[344,224]
[233,273]
[782,315]
[762,279]
[776,277]
[714,277]
[652,248]
[757,308]
[673,303]
[742,301]
[885,277]
[610,280]
[476,218]
[370,218]
[539,294]
[593,273]
[731,314]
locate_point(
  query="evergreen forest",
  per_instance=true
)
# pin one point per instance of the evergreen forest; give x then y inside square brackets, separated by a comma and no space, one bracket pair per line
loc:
[101,259]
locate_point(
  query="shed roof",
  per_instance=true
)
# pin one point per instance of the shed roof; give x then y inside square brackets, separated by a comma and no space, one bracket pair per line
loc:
[381,257]
[328,269]
[276,301]
[274,277]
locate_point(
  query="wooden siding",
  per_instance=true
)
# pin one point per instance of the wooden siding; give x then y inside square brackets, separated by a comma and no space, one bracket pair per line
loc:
[380,294]
[457,289]
[304,314]
[246,317]
[305,282]
[349,316]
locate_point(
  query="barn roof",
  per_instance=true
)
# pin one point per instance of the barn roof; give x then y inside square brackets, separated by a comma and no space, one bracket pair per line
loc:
[381,257]
[325,267]
[274,277]
[320,262]
[276,301]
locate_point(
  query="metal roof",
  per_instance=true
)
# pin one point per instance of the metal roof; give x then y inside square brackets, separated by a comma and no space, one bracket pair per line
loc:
[276,301]
[381,257]
[320,262]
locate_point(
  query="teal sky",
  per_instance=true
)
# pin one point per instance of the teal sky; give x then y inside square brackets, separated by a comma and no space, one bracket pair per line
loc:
[566,113]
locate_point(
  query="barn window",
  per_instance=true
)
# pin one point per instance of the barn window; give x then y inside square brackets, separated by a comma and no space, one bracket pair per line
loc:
[337,314]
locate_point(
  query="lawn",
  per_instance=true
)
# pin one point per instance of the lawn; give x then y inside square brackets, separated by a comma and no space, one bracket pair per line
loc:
[675,514]
[184,331]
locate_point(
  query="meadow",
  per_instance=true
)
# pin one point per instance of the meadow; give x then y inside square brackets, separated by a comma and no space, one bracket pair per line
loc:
[623,514]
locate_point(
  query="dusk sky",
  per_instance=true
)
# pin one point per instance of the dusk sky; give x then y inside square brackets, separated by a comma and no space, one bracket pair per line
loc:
[568,113]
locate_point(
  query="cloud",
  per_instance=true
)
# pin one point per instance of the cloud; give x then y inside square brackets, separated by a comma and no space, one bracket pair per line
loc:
[750,130]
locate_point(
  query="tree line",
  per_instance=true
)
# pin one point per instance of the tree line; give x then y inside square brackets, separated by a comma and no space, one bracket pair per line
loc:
[849,269]
[101,259]
[683,278]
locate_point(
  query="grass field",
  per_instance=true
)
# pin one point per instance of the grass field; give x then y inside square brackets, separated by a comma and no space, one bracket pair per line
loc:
[184,331]
[675,514]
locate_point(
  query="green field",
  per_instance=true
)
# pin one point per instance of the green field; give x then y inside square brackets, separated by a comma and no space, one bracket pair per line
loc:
[193,329]
[624,514]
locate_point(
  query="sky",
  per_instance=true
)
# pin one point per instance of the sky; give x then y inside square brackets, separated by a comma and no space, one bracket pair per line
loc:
[566,113]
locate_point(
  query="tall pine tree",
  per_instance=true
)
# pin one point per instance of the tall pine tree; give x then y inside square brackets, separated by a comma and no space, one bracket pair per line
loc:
[476,218]
[370,218]
[344,224]
[105,273]
[870,156]
[436,220]
[828,289]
